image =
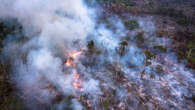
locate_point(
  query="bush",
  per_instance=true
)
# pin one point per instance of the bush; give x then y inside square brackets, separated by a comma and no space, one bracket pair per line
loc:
[159,69]
[185,21]
[149,55]
[9,27]
[161,48]
[131,24]
[92,49]
[140,38]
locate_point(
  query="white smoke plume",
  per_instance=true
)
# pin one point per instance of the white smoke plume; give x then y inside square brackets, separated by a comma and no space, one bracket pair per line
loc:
[58,34]
[52,27]
[54,30]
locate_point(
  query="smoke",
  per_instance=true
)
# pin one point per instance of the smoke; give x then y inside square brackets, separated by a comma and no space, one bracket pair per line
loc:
[54,30]
[70,60]
[51,28]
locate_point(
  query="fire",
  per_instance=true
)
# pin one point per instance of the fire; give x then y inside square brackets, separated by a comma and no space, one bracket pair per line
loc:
[73,56]
[76,54]
[70,62]
[76,81]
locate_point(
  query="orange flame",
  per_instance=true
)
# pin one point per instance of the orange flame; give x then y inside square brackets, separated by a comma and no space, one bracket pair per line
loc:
[76,54]
[76,82]
[69,62]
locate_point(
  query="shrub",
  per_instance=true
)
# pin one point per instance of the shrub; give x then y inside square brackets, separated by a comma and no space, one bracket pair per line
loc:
[161,48]
[149,55]
[185,21]
[131,24]
[105,104]
[128,38]
[92,49]
[140,38]
[159,69]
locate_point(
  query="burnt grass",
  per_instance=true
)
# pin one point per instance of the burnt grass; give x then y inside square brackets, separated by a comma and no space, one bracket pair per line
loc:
[175,13]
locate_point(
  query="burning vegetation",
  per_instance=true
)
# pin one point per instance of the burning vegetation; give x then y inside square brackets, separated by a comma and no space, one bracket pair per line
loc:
[74,55]
[70,62]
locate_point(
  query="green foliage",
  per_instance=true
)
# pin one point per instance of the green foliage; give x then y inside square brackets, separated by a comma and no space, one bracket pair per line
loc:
[159,69]
[12,103]
[191,51]
[149,55]
[127,3]
[92,49]
[152,75]
[8,100]
[147,108]
[143,72]
[161,48]
[191,59]
[105,104]
[8,27]
[148,63]
[127,38]
[123,43]
[185,21]
[131,24]
[140,38]
[151,3]
[91,44]
[191,45]
[186,49]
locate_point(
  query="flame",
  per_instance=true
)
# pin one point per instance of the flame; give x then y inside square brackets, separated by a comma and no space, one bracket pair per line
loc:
[76,82]
[76,54]
[70,62]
